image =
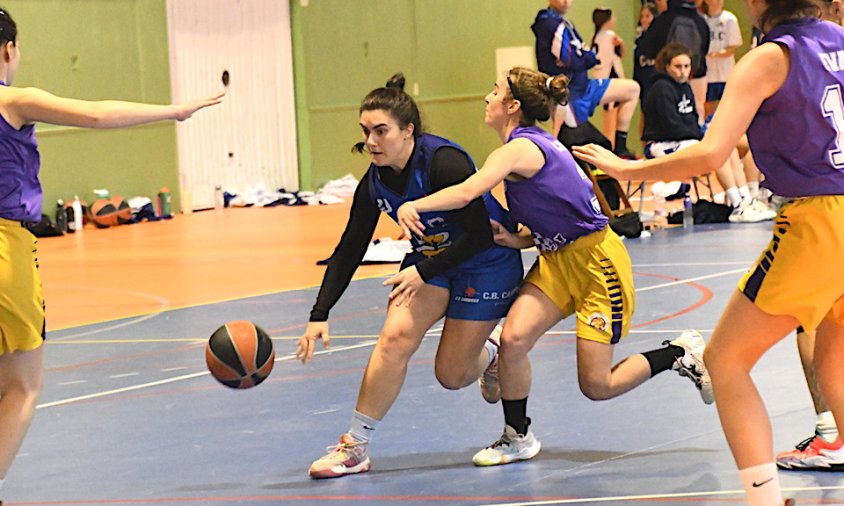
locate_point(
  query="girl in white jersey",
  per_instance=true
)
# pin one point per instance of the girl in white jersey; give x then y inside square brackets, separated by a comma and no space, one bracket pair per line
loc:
[790,79]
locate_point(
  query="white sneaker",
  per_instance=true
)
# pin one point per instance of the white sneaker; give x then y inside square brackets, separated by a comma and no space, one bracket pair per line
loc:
[749,212]
[510,447]
[490,388]
[691,363]
[764,209]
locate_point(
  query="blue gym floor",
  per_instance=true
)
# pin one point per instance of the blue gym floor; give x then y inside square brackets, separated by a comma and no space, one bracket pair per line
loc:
[129,414]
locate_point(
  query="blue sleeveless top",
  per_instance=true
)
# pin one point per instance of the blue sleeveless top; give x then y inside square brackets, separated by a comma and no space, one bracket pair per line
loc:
[440,232]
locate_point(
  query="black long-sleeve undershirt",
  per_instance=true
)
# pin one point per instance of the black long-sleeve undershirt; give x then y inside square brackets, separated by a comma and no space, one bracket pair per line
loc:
[449,166]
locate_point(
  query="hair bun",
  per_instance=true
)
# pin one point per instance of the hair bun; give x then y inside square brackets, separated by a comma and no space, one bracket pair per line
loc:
[397,81]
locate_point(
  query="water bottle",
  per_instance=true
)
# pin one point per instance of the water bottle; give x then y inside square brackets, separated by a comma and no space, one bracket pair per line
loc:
[69,219]
[688,212]
[660,214]
[219,199]
[164,203]
[77,213]
[61,216]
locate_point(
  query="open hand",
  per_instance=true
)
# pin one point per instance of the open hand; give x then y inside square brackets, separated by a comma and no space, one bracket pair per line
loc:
[307,343]
[409,221]
[186,110]
[603,159]
[405,285]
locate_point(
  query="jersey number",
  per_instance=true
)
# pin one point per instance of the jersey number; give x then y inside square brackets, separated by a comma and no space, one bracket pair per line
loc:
[833,106]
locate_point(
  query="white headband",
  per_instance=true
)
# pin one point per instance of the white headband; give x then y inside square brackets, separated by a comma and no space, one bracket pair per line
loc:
[548,82]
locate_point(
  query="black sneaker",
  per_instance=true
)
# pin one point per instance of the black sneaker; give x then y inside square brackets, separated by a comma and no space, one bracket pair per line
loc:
[624,154]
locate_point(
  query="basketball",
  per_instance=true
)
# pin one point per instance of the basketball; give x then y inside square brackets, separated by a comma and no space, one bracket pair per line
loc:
[240,354]
[124,212]
[103,213]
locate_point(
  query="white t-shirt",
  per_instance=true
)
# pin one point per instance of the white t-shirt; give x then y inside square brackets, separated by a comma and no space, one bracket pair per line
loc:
[605,52]
[725,32]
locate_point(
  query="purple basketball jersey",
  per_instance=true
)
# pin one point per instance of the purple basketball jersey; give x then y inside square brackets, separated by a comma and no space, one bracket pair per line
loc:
[558,203]
[797,136]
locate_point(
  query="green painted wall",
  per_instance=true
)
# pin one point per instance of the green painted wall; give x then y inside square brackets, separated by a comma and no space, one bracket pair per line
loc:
[343,50]
[99,49]
[117,49]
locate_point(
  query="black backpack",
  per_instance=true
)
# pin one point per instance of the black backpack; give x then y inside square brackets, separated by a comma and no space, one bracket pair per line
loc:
[43,228]
[684,30]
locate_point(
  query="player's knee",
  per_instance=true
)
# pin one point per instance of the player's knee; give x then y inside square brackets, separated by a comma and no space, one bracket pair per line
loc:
[634,90]
[24,390]
[395,345]
[594,390]
[449,378]
[719,361]
[514,344]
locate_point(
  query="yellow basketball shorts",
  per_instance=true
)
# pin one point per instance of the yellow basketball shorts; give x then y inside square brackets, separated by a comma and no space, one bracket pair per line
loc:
[21,298]
[800,273]
[592,278]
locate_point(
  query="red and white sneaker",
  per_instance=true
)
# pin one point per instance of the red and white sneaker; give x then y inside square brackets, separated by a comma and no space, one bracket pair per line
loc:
[813,454]
[490,389]
[348,457]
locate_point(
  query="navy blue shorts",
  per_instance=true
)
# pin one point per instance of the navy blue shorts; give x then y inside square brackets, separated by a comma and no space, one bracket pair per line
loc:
[714,91]
[482,292]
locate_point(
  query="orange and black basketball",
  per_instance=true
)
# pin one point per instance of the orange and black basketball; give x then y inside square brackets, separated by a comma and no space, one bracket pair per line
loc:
[240,354]
[110,212]
[124,212]
[103,213]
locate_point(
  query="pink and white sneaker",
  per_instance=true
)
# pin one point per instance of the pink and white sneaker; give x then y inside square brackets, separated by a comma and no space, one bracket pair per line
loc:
[348,457]
[813,454]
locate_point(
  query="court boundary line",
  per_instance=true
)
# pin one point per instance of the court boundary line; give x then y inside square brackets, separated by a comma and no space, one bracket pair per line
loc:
[676,495]
[151,314]
[65,339]
[183,377]
[290,357]
[208,303]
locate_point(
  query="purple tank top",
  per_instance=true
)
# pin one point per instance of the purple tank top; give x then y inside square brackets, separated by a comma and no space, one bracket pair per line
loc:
[797,136]
[20,162]
[558,203]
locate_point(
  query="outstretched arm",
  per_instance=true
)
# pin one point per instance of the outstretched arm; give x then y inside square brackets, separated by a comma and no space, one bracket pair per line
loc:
[32,104]
[756,77]
[516,157]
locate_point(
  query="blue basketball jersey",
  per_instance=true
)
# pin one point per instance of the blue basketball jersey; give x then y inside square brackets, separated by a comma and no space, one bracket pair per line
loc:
[440,232]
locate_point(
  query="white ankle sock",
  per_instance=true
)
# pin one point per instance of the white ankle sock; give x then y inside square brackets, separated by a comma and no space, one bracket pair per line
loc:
[762,485]
[492,349]
[362,428]
[733,196]
[753,186]
[825,426]
[744,191]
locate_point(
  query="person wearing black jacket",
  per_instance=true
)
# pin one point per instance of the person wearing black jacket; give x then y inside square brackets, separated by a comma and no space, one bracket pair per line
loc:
[669,110]
[657,37]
